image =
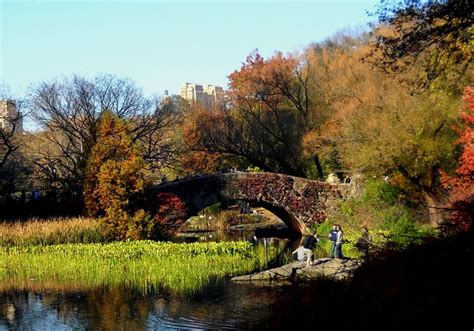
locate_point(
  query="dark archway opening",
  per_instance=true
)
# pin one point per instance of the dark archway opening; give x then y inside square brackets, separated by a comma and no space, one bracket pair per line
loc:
[263,218]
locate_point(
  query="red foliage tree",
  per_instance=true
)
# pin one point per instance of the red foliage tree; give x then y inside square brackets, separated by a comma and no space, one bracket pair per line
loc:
[461,198]
[170,215]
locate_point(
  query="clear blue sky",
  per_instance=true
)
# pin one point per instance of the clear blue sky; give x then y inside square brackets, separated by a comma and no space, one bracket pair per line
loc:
[158,44]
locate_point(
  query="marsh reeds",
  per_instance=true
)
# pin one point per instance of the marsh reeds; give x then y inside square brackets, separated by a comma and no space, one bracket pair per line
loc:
[50,231]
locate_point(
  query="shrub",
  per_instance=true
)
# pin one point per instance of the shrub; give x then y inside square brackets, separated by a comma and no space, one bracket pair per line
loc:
[401,229]
[377,191]
[170,216]
[385,211]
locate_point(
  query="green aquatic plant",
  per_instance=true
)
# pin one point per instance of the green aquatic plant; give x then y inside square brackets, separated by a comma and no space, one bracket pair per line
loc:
[145,265]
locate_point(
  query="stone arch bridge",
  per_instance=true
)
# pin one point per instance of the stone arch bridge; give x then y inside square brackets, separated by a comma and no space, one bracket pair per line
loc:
[298,202]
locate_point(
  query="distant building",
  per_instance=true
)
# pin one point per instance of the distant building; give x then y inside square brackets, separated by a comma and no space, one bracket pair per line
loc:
[166,99]
[215,94]
[207,95]
[9,113]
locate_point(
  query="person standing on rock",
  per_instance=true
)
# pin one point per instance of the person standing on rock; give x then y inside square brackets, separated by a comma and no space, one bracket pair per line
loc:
[309,244]
[333,239]
[339,239]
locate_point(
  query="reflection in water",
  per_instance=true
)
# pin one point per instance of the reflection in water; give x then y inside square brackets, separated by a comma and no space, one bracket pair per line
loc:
[222,306]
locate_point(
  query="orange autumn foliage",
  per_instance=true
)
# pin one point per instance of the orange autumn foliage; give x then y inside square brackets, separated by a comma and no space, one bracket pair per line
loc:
[273,81]
[199,157]
[265,119]
[115,182]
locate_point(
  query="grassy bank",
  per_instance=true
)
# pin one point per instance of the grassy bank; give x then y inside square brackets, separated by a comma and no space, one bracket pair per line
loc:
[141,264]
[50,232]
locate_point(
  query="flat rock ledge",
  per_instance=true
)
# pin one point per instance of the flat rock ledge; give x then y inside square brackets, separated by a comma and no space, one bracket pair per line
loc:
[296,271]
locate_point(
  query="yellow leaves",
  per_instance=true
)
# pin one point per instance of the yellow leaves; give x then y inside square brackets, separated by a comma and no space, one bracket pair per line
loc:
[416,135]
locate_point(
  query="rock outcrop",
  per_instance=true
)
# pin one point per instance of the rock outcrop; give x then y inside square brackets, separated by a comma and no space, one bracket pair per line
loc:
[297,271]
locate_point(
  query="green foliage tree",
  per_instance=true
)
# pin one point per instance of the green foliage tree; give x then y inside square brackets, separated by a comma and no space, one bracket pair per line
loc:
[115,181]
[412,136]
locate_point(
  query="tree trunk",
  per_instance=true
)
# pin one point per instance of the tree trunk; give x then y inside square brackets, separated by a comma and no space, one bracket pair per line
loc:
[435,209]
[318,167]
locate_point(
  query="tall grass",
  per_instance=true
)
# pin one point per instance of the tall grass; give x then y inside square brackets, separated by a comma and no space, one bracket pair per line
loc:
[50,231]
[141,264]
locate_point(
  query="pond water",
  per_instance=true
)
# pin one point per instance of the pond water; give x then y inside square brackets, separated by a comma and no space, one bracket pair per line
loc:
[219,306]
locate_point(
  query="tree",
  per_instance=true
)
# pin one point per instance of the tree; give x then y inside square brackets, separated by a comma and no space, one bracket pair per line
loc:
[115,181]
[190,160]
[10,127]
[14,166]
[412,136]
[340,84]
[461,186]
[70,111]
[51,169]
[378,127]
[269,108]
[435,36]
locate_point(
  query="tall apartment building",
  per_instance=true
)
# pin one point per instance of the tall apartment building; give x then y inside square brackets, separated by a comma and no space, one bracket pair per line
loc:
[9,113]
[207,95]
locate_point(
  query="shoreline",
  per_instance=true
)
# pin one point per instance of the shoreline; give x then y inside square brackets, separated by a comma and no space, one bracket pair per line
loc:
[338,269]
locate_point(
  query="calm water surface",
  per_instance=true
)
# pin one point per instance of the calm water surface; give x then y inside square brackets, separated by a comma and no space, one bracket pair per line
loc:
[219,306]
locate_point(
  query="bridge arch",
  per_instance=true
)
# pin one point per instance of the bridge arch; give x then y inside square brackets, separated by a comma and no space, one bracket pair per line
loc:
[298,202]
